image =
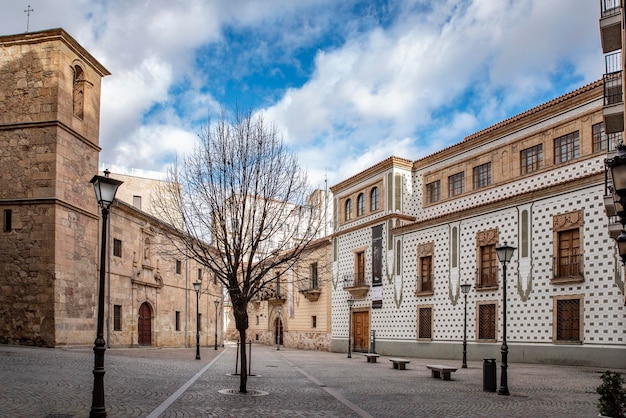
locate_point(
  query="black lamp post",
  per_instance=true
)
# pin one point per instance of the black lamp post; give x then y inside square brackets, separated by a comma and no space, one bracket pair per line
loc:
[196,287]
[350,303]
[505,253]
[105,188]
[465,288]
[279,310]
[217,303]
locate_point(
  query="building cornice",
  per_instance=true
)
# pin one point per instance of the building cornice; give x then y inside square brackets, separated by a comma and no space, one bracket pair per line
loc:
[375,221]
[53,35]
[372,171]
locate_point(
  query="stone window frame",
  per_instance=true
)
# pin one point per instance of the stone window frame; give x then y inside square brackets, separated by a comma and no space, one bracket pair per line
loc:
[562,144]
[456,184]
[433,192]
[117,247]
[418,315]
[534,154]
[360,204]
[581,319]
[179,267]
[484,239]
[481,175]
[7,218]
[374,199]
[177,321]
[313,321]
[425,250]
[348,210]
[564,222]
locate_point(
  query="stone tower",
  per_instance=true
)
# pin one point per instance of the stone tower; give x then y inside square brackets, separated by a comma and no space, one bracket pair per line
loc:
[49,127]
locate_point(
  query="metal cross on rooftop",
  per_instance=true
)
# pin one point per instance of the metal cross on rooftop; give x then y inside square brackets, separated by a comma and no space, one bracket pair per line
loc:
[27,11]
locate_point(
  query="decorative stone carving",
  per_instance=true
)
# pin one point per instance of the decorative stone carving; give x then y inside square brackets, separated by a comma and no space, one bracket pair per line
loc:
[488,237]
[567,221]
[426,249]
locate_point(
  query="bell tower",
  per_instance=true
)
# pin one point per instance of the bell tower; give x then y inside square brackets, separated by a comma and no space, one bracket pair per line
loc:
[49,148]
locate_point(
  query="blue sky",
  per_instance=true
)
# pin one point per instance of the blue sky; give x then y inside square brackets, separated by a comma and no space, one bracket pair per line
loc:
[347,83]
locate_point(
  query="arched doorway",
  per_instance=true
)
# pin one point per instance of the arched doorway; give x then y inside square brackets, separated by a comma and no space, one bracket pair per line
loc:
[145,324]
[278,331]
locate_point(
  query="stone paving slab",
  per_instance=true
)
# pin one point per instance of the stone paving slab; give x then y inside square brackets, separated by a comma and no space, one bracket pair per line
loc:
[152,382]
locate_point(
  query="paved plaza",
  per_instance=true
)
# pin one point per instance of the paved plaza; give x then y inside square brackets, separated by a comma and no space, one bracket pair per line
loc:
[153,382]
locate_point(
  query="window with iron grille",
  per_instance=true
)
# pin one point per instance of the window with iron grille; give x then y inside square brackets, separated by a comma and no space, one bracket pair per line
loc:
[425,326]
[314,321]
[360,204]
[568,259]
[117,317]
[374,199]
[566,148]
[433,191]
[487,321]
[117,247]
[568,320]
[488,269]
[456,184]
[348,210]
[426,274]
[177,319]
[179,267]
[531,159]
[482,176]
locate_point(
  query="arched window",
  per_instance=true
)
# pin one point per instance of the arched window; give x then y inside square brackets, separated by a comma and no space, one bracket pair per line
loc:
[348,214]
[78,93]
[374,202]
[360,204]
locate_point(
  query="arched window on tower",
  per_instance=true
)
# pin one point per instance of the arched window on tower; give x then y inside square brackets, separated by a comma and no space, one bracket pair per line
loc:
[78,93]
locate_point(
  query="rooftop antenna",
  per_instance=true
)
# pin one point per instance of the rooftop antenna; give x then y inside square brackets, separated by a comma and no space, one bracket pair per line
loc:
[27,11]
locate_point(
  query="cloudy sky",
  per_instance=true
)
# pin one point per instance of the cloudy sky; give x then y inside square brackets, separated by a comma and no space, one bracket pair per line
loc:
[347,82]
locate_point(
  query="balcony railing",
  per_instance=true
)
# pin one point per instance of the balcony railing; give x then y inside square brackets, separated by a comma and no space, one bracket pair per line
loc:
[610,7]
[487,277]
[568,266]
[613,88]
[355,280]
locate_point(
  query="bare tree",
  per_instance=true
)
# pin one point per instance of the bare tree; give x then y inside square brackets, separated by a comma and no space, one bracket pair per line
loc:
[239,205]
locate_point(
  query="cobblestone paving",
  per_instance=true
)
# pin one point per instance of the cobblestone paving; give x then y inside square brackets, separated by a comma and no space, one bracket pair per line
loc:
[140,382]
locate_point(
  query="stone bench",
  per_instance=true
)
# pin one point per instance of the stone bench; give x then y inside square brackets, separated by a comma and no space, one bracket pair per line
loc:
[439,371]
[371,357]
[399,363]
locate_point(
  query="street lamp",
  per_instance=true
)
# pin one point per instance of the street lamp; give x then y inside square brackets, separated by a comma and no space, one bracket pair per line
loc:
[505,253]
[105,189]
[217,303]
[350,303]
[196,287]
[279,310]
[465,288]
[617,166]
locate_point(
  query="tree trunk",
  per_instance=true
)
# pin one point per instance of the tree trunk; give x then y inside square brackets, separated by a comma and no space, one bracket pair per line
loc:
[241,321]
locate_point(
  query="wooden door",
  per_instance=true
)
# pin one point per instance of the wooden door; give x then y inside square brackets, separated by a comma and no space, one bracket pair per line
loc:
[361,331]
[145,324]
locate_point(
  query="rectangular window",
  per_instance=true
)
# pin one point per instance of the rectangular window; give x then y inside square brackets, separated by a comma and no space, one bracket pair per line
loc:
[199,275]
[487,321]
[482,176]
[600,140]
[426,274]
[314,283]
[456,184]
[531,159]
[137,202]
[278,290]
[117,247]
[433,191]
[8,220]
[425,326]
[568,259]
[177,323]
[488,269]
[359,279]
[179,267]
[257,320]
[314,321]
[117,317]
[568,320]
[566,148]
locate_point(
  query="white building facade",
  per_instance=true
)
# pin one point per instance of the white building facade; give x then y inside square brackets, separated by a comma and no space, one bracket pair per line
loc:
[409,233]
